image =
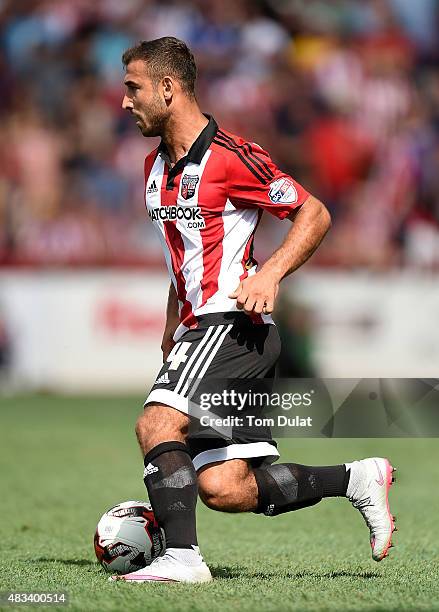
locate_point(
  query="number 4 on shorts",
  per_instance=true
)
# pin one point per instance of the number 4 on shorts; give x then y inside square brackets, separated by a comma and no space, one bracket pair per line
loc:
[178,355]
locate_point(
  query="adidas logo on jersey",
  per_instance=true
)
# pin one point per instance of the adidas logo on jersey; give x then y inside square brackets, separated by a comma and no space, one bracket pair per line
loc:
[152,188]
[163,380]
[150,469]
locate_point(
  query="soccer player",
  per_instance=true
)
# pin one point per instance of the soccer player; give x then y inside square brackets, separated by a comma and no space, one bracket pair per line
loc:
[205,192]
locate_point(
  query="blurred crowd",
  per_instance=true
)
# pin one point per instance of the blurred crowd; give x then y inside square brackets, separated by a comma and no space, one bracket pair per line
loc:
[343,94]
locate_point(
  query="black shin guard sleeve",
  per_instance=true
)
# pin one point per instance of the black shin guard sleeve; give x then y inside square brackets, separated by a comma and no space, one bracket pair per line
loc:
[291,486]
[171,481]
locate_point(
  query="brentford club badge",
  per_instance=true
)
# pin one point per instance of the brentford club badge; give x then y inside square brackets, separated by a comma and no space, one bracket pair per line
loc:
[188,186]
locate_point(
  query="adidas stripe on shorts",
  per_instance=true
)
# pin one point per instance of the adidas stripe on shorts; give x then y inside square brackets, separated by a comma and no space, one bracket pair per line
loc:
[225,348]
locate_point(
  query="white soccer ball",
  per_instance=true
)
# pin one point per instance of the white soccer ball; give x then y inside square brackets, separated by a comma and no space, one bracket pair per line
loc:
[128,537]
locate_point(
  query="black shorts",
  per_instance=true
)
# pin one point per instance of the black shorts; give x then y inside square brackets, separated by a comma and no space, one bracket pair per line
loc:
[225,347]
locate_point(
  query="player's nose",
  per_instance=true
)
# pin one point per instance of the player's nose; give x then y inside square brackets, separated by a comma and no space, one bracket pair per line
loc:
[127,104]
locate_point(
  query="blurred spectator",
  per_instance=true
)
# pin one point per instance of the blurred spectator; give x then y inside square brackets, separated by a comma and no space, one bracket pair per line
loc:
[344,95]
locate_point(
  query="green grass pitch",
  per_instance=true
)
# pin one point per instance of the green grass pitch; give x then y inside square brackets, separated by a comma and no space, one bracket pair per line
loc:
[64,461]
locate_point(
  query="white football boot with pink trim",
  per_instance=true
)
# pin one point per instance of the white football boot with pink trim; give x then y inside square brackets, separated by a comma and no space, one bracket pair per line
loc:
[368,491]
[170,568]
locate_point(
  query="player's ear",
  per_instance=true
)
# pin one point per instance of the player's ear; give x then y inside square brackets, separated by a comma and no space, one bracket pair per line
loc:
[168,88]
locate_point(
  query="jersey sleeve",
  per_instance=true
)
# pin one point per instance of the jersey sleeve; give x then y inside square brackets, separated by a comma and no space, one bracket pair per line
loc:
[254,181]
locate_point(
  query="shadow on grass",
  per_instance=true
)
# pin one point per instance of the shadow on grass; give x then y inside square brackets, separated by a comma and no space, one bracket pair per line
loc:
[77,562]
[231,572]
[237,572]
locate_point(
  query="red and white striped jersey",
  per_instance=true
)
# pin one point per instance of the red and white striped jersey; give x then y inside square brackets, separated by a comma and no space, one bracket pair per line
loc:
[206,209]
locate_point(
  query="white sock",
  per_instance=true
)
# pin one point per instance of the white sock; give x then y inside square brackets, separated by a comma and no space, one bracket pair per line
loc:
[187,556]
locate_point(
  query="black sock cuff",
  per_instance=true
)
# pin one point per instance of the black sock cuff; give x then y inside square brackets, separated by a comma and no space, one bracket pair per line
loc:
[164,447]
[346,480]
[334,479]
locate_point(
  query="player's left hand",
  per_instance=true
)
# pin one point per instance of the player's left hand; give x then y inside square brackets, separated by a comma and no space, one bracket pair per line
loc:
[256,293]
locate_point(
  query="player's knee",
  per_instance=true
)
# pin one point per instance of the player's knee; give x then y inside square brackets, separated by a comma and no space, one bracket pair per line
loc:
[160,424]
[147,424]
[143,428]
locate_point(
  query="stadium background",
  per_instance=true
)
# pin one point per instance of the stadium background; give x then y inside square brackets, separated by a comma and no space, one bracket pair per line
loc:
[345,96]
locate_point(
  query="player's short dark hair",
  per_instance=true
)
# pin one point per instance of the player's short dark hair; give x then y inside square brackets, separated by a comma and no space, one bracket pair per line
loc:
[167,56]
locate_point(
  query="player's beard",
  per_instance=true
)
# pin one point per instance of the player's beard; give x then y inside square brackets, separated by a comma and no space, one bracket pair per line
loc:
[155,118]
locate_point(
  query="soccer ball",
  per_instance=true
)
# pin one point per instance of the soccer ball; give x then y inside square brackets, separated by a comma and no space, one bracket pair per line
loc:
[128,537]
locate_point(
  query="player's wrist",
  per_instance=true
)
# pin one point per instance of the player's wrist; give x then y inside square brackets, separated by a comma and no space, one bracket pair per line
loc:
[273,270]
[172,322]
[168,336]
[169,331]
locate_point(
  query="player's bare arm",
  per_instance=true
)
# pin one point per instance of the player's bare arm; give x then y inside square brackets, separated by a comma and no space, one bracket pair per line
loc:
[311,222]
[172,322]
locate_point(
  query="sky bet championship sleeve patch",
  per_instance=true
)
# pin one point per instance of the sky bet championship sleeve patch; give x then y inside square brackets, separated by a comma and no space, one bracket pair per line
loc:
[282,191]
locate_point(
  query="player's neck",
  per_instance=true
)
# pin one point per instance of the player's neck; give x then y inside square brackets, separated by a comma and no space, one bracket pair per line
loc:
[182,130]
